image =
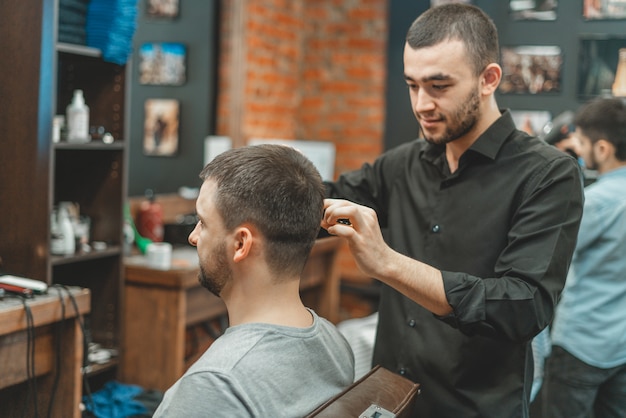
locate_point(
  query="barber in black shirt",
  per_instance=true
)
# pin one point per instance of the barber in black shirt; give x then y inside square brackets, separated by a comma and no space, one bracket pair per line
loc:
[481,224]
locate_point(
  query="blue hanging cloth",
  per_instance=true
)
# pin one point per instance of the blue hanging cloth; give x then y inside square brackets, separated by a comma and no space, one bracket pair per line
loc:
[115,400]
[111,26]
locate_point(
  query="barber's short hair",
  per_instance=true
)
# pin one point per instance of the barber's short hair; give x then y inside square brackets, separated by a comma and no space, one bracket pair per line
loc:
[604,118]
[457,21]
[279,191]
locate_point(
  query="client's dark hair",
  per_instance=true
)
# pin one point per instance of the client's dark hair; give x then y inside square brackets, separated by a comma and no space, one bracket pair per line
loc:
[276,189]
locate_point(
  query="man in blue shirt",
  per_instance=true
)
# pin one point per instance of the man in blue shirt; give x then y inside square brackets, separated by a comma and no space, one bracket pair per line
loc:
[587,368]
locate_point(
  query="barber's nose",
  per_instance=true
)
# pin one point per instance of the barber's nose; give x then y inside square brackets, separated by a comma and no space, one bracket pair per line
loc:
[422,102]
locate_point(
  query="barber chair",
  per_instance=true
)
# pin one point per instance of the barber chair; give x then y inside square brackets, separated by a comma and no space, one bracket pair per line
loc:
[378,394]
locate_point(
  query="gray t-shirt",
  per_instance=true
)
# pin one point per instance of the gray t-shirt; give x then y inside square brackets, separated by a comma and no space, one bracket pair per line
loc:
[263,370]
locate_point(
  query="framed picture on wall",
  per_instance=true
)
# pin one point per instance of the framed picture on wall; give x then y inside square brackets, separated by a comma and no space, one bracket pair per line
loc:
[533,10]
[597,64]
[434,3]
[162,64]
[161,123]
[531,70]
[604,9]
[162,9]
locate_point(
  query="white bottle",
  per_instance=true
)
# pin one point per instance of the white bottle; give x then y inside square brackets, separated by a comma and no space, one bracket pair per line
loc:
[57,240]
[67,230]
[77,116]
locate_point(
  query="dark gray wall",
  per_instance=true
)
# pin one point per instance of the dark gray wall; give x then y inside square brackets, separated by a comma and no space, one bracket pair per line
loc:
[196,28]
[400,124]
[564,32]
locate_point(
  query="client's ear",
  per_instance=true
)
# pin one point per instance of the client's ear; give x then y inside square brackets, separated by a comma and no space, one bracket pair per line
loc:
[243,239]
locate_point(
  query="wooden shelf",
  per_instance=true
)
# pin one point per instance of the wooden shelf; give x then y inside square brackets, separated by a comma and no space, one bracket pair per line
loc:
[111,251]
[90,146]
[91,175]
[94,369]
[78,49]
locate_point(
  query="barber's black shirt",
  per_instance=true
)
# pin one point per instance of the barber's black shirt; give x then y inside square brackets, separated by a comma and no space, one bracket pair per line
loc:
[502,229]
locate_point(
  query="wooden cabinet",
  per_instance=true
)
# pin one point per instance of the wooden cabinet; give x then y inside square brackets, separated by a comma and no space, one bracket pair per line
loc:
[39,78]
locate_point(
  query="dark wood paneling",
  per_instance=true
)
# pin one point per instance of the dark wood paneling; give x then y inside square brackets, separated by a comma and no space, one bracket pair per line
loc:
[25,124]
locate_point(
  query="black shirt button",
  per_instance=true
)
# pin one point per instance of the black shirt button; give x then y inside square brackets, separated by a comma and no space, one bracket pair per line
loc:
[411,323]
[436,228]
[402,371]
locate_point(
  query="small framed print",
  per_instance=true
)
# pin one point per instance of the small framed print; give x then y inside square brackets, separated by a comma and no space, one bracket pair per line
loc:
[161,127]
[162,64]
[604,9]
[162,9]
[598,59]
[531,70]
[435,3]
[533,10]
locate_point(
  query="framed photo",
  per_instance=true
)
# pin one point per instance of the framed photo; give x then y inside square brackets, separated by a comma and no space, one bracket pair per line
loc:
[161,127]
[162,64]
[531,70]
[531,121]
[597,64]
[434,3]
[604,9]
[167,9]
[533,10]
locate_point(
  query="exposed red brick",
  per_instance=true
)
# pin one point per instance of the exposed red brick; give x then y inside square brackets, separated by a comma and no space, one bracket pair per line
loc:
[314,70]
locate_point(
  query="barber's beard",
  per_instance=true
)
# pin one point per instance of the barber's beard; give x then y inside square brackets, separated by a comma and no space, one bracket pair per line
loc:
[216,273]
[462,120]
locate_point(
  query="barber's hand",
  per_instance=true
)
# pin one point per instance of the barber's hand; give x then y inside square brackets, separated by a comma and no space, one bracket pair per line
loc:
[359,226]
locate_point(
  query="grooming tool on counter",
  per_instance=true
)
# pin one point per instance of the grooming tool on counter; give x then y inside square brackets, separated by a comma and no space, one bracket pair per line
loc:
[36,286]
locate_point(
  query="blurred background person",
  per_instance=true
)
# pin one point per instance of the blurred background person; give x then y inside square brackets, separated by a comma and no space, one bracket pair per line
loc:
[586,370]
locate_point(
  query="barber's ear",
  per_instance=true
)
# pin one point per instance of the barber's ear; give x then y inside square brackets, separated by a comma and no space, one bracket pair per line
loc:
[490,78]
[242,244]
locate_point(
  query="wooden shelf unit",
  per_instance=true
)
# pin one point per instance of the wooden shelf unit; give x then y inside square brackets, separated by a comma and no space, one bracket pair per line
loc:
[36,173]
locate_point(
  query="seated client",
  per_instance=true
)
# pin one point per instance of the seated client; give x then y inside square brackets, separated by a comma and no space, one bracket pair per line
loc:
[259,212]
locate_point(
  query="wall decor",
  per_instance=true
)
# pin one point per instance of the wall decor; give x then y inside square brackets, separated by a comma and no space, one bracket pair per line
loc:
[604,9]
[597,63]
[162,64]
[531,70]
[161,123]
[434,3]
[531,121]
[214,145]
[162,8]
[321,153]
[533,10]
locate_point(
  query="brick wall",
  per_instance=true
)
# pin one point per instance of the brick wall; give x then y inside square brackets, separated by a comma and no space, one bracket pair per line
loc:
[305,69]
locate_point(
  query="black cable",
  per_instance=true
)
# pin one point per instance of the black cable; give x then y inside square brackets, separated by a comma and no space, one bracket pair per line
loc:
[33,379]
[30,359]
[28,342]
[58,338]
[79,318]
